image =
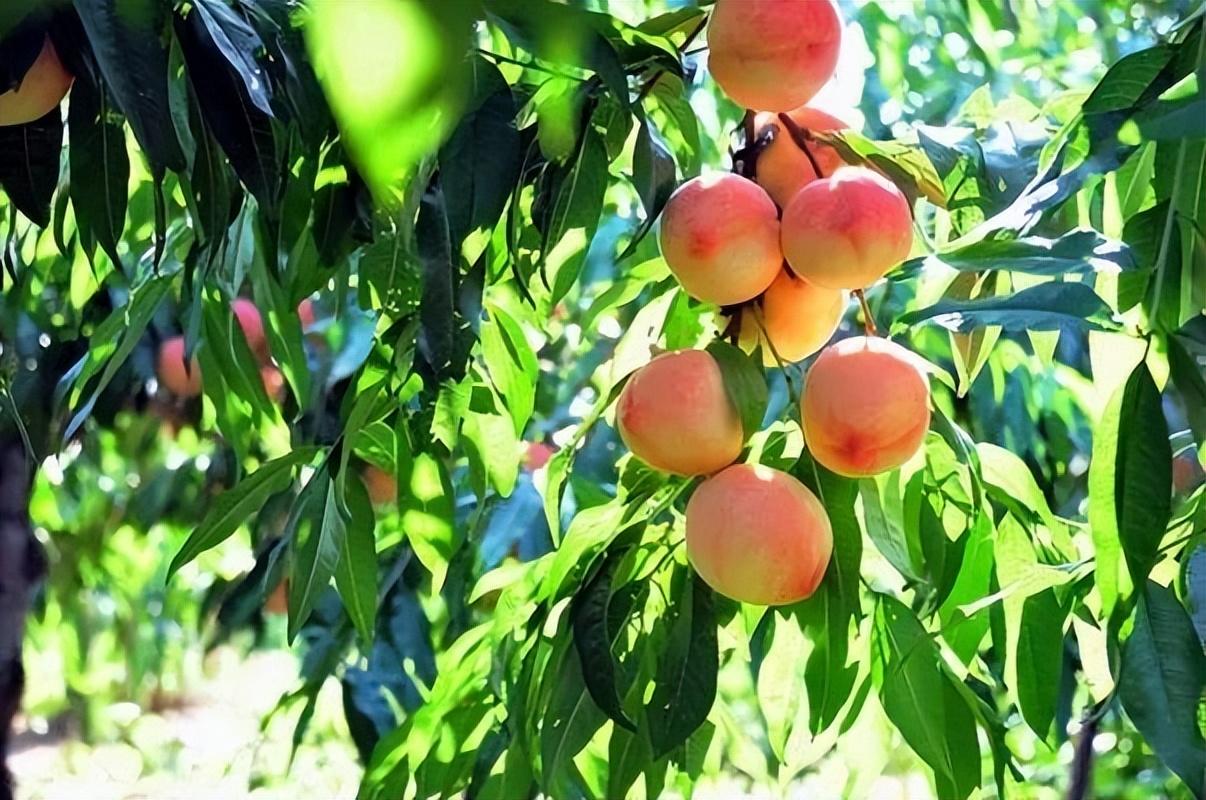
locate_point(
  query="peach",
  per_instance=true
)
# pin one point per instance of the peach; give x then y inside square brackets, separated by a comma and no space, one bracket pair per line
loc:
[847,230]
[773,54]
[305,313]
[675,415]
[278,601]
[797,316]
[537,454]
[172,373]
[41,90]
[252,324]
[274,382]
[720,238]
[865,408]
[758,535]
[783,168]
[382,487]
[1187,472]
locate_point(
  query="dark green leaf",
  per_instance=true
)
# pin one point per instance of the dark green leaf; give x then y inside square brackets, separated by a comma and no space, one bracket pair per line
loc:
[685,686]
[577,193]
[128,40]
[1142,473]
[356,572]
[318,529]
[1162,677]
[29,164]
[744,382]
[238,504]
[1046,307]
[653,173]
[1077,252]
[593,641]
[437,311]
[570,721]
[1125,82]
[239,43]
[100,166]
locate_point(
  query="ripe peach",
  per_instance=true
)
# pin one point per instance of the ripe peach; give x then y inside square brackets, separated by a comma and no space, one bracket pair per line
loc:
[42,88]
[305,313]
[797,316]
[675,416]
[274,382]
[773,54]
[865,407]
[758,535]
[278,601]
[382,487]
[720,238]
[1187,472]
[783,168]
[537,455]
[172,373]
[252,324]
[847,230]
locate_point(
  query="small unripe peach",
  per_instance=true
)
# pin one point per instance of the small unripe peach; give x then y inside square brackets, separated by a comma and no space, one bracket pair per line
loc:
[865,408]
[171,371]
[797,316]
[720,238]
[675,415]
[847,230]
[42,88]
[783,168]
[252,324]
[758,535]
[274,382]
[773,54]
[382,487]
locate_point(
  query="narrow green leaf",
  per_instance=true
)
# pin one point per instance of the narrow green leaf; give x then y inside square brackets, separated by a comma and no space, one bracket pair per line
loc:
[744,382]
[356,572]
[318,540]
[511,363]
[1048,306]
[100,166]
[570,721]
[238,504]
[29,164]
[589,615]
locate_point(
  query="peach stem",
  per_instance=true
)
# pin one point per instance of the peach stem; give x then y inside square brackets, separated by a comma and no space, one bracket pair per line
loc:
[800,137]
[868,320]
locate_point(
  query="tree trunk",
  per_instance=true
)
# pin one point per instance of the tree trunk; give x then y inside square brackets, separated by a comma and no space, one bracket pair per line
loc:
[22,564]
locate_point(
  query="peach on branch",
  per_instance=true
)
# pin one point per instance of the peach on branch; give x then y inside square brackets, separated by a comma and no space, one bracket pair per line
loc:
[43,87]
[173,375]
[720,238]
[797,316]
[865,407]
[675,415]
[252,324]
[847,230]
[758,535]
[274,382]
[783,168]
[773,54]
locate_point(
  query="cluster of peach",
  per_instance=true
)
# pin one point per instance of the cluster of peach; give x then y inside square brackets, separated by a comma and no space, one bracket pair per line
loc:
[778,253]
[184,379]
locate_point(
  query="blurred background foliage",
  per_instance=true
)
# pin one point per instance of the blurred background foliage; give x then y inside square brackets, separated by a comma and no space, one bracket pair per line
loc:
[113,648]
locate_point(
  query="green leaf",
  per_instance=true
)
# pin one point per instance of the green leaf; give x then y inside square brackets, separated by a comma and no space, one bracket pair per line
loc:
[669,110]
[1162,677]
[395,112]
[29,164]
[921,700]
[653,173]
[1130,485]
[128,39]
[318,540]
[511,363]
[356,572]
[1012,485]
[589,615]
[1076,252]
[479,164]
[685,684]
[390,271]
[1125,82]
[570,721]
[100,166]
[426,505]
[906,165]
[1034,649]
[437,308]
[238,43]
[1048,306]
[1188,378]
[744,382]
[577,191]
[237,505]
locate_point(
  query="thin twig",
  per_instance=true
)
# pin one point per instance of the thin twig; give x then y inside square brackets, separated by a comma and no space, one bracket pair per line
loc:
[1081,778]
[800,137]
[868,318]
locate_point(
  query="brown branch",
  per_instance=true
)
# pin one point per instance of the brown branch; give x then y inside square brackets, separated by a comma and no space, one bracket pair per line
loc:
[1080,780]
[868,318]
[800,137]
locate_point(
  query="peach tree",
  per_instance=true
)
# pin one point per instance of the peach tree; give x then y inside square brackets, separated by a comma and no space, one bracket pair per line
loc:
[915,415]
